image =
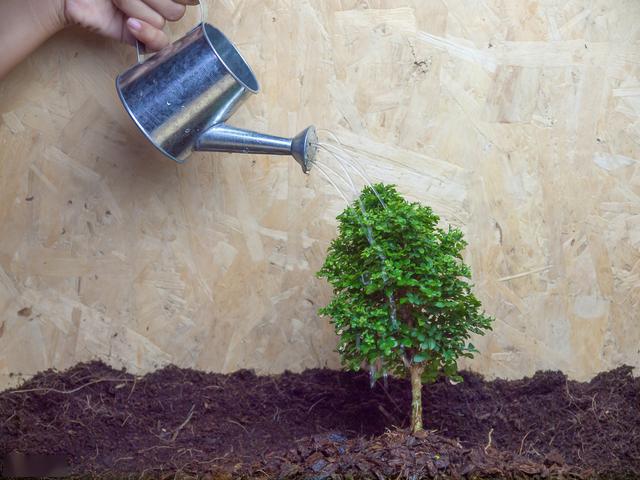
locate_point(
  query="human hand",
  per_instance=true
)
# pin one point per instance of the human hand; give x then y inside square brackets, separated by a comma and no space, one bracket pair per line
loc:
[126,20]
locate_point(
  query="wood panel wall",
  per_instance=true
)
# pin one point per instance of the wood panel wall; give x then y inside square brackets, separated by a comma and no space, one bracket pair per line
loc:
[517,120]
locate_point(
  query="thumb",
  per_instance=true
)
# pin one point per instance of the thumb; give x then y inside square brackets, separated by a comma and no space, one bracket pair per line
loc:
[153,38]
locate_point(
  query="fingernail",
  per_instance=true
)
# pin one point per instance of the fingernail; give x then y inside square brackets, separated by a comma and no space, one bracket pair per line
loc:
[134,24]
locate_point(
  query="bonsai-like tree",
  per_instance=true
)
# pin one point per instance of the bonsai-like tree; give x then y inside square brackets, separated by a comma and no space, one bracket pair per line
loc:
[402,295]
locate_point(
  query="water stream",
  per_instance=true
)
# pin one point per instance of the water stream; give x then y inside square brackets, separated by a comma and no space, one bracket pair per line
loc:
[348,163]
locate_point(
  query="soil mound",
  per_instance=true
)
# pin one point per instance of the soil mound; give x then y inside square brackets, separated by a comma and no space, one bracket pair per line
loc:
[321,422]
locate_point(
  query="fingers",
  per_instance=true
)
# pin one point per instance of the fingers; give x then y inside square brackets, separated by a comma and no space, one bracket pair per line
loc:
[154,12]
[140,10]
[153,38]
[169,9]
[147,17]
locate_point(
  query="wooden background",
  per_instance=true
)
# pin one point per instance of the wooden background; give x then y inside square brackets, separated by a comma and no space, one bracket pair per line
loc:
[517,120]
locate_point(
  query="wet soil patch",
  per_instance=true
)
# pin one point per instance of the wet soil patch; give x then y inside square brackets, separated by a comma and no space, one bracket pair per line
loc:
[324,424]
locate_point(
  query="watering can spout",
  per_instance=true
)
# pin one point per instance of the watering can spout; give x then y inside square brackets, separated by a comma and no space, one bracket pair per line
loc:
[225,138]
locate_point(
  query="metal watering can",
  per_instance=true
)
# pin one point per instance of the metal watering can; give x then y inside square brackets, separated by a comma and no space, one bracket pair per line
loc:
[182,97]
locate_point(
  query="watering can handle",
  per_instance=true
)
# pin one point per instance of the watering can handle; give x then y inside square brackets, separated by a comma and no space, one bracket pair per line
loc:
[140,48]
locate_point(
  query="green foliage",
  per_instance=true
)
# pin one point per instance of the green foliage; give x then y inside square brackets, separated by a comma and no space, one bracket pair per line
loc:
[403,297]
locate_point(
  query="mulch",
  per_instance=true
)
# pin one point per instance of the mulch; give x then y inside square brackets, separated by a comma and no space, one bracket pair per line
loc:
[322,424]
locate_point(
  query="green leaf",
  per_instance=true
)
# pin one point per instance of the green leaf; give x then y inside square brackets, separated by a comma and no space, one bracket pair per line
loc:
[429,344]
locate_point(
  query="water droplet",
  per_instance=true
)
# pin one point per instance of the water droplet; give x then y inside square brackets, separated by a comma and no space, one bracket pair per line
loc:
[187,130]
[393,311]
[168,104]
[385,378]
[372,375]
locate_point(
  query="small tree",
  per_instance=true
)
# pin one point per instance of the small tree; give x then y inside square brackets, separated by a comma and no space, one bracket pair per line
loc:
[401,291]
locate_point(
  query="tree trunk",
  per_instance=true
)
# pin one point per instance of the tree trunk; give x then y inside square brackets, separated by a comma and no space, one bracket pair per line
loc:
[416,398]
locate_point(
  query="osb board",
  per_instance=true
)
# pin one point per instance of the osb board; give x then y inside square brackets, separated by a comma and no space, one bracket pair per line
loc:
[519,121]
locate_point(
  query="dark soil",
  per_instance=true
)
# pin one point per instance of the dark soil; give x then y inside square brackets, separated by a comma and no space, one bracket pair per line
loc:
[323,424]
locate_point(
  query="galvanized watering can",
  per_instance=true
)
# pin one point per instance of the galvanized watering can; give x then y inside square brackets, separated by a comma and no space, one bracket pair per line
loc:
[182,97]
